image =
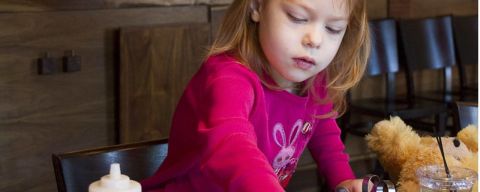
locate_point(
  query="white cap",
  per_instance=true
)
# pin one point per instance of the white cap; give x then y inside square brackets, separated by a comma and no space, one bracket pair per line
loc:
[115,182]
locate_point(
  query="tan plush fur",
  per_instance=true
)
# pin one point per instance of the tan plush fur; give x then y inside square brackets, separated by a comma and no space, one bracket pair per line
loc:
[401,151]
[469,137]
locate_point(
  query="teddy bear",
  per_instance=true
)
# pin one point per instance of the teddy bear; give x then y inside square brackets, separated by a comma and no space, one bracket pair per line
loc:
[401,151]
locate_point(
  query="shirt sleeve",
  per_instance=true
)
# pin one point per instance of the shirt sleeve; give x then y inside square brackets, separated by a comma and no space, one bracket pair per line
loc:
[232,157]
[328,151]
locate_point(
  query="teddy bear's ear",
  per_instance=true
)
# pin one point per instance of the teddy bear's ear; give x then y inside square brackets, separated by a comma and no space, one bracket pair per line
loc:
[468,135]
[389,137]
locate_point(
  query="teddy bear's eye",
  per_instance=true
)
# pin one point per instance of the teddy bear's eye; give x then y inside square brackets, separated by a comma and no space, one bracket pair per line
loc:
[456,142]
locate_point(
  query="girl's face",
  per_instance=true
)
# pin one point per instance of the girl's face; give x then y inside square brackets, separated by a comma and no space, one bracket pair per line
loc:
[299,37]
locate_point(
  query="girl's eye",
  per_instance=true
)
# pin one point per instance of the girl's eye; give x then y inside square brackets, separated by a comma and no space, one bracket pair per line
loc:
[334,31]
[296,19]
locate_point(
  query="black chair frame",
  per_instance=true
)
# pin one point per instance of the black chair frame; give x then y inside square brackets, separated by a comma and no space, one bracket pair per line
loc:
[74,171]
[384,60]
[428,44]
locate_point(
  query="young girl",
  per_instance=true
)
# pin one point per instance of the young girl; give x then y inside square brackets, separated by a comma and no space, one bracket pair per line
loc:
[273,84]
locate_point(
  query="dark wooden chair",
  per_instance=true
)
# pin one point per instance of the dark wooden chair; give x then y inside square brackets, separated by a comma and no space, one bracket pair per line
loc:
[74,171]
[465,30]
[467,113]
[428,44]
[384,60]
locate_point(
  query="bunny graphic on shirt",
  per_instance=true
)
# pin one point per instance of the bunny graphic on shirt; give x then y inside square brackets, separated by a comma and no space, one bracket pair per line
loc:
[284,164]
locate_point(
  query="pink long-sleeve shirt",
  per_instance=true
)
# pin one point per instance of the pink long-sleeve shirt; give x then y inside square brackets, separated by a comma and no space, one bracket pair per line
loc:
[231,133]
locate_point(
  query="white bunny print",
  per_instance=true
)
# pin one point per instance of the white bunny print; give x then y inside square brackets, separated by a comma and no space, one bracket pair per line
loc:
[284,164]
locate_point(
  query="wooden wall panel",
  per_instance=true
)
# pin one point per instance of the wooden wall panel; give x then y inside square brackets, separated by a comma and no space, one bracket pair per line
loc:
[216,17]
[428,8]
[45,114]
[55,5]
[157,63]
[49,5]
[377,9]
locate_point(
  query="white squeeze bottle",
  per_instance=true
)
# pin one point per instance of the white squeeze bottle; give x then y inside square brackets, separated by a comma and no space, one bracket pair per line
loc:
[115,182]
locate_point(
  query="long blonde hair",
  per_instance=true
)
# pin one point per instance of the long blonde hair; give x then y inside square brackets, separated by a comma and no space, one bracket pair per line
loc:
[238,36]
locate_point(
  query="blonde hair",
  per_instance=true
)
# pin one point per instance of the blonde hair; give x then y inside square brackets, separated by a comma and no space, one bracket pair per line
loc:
[238,36]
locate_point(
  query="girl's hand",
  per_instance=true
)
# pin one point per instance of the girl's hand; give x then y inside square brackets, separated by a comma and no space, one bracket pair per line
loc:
[352,185]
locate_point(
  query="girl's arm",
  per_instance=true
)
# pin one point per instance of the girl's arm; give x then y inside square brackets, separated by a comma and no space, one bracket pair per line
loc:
[328,151]
[232,158]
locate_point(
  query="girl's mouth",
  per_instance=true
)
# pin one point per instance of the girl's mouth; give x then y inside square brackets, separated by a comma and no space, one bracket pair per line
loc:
[304,63]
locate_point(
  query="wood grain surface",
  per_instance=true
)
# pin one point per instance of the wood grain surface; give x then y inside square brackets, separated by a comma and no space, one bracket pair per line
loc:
[156,65]
[45,114]
[66,5]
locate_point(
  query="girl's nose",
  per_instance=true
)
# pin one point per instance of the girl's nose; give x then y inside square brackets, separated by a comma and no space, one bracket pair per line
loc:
[312,39]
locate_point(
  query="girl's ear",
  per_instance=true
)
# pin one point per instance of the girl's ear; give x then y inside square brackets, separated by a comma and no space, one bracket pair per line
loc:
[255,6]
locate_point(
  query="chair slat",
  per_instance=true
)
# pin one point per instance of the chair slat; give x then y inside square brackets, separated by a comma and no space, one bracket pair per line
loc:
[74,171]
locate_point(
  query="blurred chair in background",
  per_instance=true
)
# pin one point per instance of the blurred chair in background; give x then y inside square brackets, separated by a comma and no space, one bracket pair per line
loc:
[384,60]
[465,29]
[74,171]
[428,45]
[467,113]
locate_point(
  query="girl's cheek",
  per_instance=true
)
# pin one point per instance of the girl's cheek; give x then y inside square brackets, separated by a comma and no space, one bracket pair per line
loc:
[290,34]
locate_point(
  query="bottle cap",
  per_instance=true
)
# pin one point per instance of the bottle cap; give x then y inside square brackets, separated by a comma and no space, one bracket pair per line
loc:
[115,182]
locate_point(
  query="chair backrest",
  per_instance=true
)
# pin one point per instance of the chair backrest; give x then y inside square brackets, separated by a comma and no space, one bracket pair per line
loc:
[465,29]
[383,58]
[428,44]
[74,171]
[384,52]
[467,113]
